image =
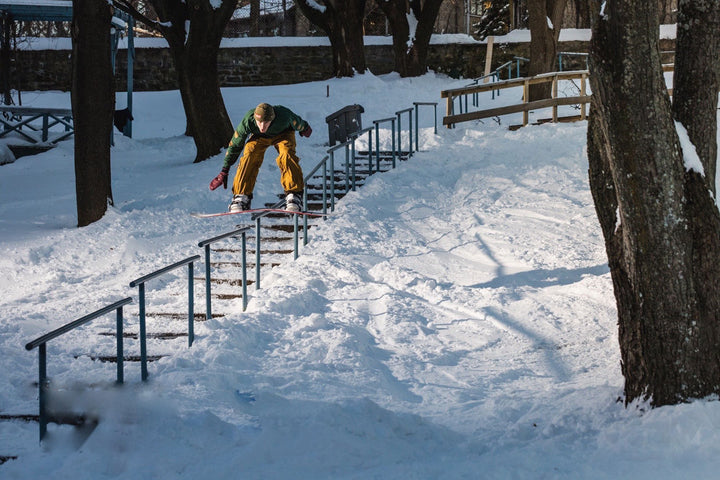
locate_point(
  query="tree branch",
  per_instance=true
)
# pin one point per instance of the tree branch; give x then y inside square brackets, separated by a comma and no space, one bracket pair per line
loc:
[125,6]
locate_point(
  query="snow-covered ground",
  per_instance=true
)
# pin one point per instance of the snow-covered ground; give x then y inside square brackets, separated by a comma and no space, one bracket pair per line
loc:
[453,318]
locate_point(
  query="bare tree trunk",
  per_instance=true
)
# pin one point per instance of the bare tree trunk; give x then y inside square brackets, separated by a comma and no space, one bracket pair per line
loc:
[195,55]
[254,18]
[582,13]
[342,22]
[545,19]
[93,103]
[661,225]
[207,119]
[411,41]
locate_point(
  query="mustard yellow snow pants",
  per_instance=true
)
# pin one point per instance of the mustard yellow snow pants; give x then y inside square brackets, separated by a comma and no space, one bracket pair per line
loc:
[291,176]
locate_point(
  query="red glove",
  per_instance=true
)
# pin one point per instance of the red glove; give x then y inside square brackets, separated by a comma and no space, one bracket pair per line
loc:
[307,132]
[220,179]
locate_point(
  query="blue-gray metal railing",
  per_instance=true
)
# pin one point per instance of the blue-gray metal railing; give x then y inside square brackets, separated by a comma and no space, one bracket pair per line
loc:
[562,55]
[377,139]
[398,114]
[140,283]
[417,106]
[41,342]
[354,137]
[350,183]
[495,75]
[206,245]
[260,215]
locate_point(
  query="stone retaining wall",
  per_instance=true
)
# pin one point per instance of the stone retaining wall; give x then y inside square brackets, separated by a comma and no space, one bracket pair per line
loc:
[153,67]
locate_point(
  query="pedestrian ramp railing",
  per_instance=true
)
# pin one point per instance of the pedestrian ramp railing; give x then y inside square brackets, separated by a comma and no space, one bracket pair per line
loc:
[36,125]
[458,106]
[568,89]
[369,151]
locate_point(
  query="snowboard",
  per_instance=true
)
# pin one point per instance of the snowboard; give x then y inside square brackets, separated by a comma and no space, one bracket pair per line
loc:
[258,210]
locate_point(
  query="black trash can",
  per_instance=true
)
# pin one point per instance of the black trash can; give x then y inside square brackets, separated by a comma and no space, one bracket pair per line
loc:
[343,123]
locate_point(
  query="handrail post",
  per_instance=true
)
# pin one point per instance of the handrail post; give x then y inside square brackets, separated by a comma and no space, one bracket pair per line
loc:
[295,237]
[332,181]
[119,344]
[370,151]
[377,146]
[243,236]
[191,305]
[417,121]
[399,132]
[43,388]
[392,136]
[305,220]
[417,127]
[208,283]
[353,165]
[347,167]
[410,127]
[324,187]
[257,251]
[143,338]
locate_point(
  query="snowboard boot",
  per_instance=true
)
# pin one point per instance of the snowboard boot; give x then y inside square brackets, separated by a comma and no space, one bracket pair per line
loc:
[293,202]
[240,203]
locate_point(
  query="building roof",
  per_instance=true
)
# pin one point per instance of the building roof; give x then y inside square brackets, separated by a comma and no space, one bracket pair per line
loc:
[43,10]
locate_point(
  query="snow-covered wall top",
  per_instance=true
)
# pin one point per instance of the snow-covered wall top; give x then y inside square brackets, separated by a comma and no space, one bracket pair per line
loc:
[516,36]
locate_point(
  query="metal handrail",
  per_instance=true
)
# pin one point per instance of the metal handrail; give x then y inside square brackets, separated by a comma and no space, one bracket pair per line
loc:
[377,139]
[140,283]
[417,106]
[398,114]
[206,245]
[495,75]
[353,139]
[260,215]
[41,342]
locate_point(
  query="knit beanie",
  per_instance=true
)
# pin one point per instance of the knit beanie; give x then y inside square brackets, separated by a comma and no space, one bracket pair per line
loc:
[264,113]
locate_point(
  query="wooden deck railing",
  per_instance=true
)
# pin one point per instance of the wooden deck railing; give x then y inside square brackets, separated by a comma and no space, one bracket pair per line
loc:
[554,102]
[451,118]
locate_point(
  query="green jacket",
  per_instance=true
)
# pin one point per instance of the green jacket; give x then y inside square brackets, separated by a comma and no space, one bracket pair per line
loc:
[284,120]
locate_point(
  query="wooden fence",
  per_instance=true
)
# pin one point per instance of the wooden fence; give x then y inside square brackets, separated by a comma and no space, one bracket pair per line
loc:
[461,94]
[554,102]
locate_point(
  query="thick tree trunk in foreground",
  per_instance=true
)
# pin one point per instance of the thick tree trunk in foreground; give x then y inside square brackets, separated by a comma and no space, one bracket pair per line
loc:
[660,223]
[93,104]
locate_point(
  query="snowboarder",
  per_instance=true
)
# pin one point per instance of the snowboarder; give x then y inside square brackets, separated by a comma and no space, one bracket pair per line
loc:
[266,126]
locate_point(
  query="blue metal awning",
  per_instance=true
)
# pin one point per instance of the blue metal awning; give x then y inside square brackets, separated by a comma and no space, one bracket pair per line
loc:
[38,10]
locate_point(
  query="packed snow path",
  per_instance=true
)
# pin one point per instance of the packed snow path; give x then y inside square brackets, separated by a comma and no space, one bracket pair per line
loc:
[453,319]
